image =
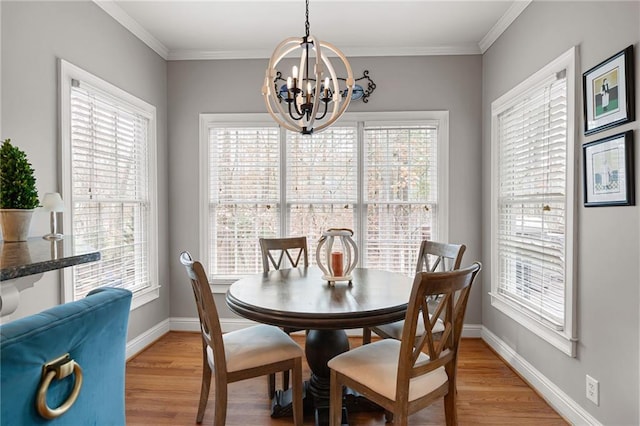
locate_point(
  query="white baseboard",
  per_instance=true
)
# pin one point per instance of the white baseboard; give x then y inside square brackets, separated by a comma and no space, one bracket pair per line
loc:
[473,331]
[143,340]
[555,396]
[193,324]
[232,324]
[146,338]
[184,324]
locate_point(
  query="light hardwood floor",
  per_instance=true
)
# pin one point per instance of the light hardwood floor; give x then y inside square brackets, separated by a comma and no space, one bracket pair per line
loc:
[163,386]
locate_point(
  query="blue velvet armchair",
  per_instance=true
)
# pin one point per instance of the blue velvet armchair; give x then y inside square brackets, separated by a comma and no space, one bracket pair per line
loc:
[93,332]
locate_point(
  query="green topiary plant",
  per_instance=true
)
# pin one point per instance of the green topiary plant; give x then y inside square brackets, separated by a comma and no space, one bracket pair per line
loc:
[17,182]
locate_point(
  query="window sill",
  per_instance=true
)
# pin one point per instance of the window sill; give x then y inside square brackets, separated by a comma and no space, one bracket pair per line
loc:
[145,296]
[221,285]
[217,288]
[558,339]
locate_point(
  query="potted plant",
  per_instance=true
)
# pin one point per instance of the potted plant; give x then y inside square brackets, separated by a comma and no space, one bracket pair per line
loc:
[18,194]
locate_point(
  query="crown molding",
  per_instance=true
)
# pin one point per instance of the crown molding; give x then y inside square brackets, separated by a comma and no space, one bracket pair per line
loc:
[117,13]
[351,52]
[459,49]
[503,23]
[133,26]
[196,55]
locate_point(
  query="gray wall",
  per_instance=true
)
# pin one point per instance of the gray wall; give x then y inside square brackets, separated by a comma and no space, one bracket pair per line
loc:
[403,84]
[34,35]
[608,254]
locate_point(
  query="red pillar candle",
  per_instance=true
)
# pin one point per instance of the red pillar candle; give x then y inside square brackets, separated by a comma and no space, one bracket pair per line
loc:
[336,263]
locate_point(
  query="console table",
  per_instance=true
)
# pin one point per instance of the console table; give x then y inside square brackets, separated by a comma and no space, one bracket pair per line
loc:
[23,263]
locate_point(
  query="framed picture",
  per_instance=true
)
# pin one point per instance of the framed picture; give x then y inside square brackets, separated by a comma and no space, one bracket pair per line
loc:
[609,93]
[608,171]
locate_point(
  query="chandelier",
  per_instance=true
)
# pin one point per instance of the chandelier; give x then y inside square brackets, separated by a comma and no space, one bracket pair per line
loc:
[312,94]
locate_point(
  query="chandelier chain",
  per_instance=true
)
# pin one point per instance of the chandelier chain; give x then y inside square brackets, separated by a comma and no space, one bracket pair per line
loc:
[306,23]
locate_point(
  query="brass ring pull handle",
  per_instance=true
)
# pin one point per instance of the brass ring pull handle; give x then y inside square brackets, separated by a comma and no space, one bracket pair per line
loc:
[59,368]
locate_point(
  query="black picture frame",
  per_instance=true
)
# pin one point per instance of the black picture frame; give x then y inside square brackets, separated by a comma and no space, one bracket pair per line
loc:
[609,172]
[608,93]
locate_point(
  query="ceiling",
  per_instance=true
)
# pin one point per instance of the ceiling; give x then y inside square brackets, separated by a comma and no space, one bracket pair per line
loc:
[216,29]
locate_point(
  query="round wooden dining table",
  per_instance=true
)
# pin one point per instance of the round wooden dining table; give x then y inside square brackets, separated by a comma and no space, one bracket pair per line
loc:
[302,299]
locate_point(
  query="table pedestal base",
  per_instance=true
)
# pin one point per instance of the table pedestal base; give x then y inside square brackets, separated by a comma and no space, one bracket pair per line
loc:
[320,347]
[281,405]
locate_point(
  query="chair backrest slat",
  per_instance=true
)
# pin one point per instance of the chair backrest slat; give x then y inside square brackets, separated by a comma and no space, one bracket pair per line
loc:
[294,248]
[435,256]
[207,311]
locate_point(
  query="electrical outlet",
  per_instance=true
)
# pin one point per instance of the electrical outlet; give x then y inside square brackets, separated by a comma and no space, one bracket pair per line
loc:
[593,390]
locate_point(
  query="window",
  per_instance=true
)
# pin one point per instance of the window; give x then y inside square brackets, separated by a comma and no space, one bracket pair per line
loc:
[382,175]
[532,203]
[109,181]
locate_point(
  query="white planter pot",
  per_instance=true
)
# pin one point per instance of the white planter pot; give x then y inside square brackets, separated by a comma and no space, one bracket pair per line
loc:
[15,224]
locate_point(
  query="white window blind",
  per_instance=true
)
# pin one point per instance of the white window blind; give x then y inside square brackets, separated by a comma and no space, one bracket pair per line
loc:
[322,178]
[401,194]
[110,191]
[244,185]
[262,181]
[532,210]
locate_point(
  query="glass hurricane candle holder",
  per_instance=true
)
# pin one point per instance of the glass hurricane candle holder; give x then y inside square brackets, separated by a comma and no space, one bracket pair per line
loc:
[337,255]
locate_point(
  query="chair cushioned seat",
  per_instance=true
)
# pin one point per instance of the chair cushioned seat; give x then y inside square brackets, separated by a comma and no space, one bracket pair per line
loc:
[256,346]
[376,366]
[394,329]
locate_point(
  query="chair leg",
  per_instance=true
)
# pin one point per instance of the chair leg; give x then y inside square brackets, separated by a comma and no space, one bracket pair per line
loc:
[298,414]
[220,416]
[450,410]
[335,400]
[401,413]
[366,335]
[401,420]
[204,389]
[285,374]
[272,385]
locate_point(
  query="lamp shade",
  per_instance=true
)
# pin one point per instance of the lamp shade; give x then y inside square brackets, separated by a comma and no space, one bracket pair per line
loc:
[52,201]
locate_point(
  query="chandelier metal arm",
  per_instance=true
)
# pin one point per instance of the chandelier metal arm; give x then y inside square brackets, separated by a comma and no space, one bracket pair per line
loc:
[371,86]
[325,110]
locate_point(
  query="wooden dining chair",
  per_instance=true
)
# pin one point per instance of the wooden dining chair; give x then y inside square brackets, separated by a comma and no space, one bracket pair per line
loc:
[432,257]
[288,252]
[278,253]
[399,375]
[238,355]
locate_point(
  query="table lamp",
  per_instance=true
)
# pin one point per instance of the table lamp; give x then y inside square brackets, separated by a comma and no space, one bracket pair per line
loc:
[52,202]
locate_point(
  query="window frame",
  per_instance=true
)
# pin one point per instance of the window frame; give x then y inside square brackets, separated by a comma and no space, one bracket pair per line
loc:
[565,339]
[67,72]
[358,120]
